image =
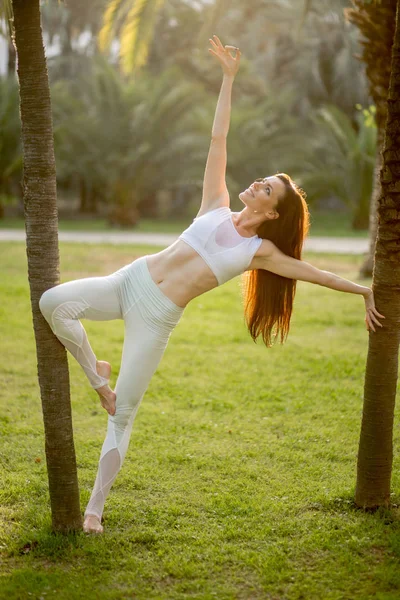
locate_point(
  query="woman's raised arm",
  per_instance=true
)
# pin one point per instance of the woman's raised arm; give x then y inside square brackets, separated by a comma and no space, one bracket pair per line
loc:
[215,193]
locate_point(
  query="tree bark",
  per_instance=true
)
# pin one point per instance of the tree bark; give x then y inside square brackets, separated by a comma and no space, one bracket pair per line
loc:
[376,441]
[11,59]
[367,266]
[376,22]
[41,225]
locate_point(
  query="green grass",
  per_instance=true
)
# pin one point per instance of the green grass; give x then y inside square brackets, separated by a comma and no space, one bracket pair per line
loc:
[322,224]
[239,479]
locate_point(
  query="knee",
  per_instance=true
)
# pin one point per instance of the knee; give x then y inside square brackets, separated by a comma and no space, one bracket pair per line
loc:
[48,303]
[123,418]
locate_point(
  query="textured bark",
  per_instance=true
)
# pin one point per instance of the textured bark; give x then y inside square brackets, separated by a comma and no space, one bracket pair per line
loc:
[376,441]
[367,266]
[41,225]
[11,59]
[376,22]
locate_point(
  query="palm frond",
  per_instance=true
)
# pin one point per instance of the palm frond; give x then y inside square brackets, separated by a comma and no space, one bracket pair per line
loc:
[109,24]
[137,33]
[215,13]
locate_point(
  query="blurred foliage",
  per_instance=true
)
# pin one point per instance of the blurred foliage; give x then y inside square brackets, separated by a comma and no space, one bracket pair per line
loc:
[66,21]
[133,22]
[10,141]
[340,160]
[123,136]
[120,141]
[264,138]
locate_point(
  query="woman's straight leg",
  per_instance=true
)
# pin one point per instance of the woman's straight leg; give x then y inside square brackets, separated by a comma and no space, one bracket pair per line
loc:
[149,322]
[142,352]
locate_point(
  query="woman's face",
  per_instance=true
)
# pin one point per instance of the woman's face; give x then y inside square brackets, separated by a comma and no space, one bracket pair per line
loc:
[263,195]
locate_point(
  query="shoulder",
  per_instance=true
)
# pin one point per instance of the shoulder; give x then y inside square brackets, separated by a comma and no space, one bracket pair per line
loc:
[266,249]
[264,252]
[213,207]
[207,205]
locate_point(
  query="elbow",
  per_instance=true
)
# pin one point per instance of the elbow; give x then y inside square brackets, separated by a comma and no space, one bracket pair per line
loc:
[218,137]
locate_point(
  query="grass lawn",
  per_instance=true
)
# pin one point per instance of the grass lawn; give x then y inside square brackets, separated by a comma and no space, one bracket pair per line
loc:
[239,479]
[322,224]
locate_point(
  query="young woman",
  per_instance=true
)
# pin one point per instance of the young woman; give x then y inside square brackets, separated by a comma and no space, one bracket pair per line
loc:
[263,241]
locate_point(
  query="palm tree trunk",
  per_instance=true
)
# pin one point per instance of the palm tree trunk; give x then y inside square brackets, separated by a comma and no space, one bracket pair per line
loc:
[11,59]
[376,22]
[41,224]
[367,266]
[376,441]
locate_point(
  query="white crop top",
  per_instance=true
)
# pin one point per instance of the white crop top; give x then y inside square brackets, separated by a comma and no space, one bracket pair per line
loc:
[214,236]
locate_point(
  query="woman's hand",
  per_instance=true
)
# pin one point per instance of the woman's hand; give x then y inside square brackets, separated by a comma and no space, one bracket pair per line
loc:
[371,312]
[230,64]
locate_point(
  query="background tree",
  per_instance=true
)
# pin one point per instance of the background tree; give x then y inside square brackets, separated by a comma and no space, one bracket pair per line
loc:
[314,64]
[339,160]
[298,63]
[120,141]
[376,441]
[73,25]
[10,143]
[39,193]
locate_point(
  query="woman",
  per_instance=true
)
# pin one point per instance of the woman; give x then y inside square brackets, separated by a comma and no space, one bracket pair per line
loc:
[150,294]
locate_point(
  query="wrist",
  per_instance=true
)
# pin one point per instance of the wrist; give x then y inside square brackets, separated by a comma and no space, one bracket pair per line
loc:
[366,292]
[229,77]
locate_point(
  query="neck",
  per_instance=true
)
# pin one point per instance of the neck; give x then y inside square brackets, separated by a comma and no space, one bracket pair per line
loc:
[249,221]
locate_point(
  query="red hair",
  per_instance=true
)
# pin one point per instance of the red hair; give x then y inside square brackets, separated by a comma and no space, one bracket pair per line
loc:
[268,298]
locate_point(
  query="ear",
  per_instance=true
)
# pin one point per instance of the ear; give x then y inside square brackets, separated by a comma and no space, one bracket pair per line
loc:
[272,215]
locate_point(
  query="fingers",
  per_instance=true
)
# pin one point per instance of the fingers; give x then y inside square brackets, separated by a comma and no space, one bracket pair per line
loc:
[371,319]
[232,48]
[217,45]
[214,45]
[369,323]
[373,307]
[374,319]
[372,314]
[218,41]
[377,313]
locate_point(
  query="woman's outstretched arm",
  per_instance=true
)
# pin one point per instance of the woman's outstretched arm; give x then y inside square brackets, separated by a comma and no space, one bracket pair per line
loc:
[277,262]
[215,192]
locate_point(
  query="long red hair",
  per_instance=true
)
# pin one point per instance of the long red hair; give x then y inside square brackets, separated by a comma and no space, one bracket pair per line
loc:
[268,298]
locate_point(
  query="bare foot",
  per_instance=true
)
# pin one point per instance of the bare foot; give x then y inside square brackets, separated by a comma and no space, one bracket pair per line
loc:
[92,524]
[108,398]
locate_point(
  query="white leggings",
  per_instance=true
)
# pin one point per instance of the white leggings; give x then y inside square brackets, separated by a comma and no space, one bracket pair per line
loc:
[149,317]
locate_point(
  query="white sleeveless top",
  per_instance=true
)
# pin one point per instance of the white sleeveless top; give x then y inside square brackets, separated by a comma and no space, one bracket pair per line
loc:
[214,236]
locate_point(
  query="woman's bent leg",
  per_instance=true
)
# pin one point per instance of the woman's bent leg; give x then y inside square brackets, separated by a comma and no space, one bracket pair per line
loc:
[62,306]
[142,352]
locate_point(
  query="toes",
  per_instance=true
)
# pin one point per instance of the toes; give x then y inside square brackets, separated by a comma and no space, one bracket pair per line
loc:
[92,530]
[92,526]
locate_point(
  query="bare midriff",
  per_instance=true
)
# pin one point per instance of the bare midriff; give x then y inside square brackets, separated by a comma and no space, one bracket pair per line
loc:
[181,273]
